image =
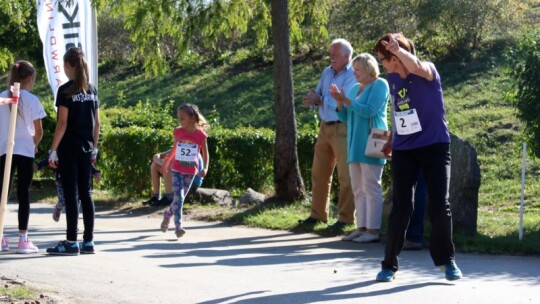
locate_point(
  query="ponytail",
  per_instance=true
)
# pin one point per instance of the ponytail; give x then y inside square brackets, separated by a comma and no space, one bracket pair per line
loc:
[75,58]
[19,72]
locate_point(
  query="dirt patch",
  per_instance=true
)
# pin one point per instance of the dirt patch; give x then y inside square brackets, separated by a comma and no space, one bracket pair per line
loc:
[18,291]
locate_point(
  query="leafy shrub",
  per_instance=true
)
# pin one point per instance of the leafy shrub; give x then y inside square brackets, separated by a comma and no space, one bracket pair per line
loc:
[526,75]
[240,158]
[125,156]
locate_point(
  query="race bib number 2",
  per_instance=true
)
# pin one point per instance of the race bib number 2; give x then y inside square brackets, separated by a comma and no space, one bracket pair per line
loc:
[407,122]
[187,153]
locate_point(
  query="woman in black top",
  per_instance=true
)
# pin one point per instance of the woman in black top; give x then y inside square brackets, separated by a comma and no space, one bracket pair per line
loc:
[74,149]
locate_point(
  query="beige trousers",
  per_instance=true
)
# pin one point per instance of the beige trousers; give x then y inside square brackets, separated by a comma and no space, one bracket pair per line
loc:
[331,150]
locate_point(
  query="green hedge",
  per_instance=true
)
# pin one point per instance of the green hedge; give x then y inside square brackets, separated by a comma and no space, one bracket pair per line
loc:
[125,157]
[239,158]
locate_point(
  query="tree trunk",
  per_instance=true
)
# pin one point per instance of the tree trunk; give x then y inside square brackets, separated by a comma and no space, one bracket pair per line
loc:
[287,179]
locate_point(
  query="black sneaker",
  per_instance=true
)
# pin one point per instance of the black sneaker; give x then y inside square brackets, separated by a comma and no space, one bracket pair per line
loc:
[338,226]
[153,200]
[87,247]
[65,248]
[309,221]
[164,201]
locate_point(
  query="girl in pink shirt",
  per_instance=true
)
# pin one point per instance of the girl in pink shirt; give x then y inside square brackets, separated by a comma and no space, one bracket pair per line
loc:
[189,140]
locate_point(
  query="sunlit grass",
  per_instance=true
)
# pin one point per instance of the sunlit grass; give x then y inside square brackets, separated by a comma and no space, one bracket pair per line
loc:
[14,293]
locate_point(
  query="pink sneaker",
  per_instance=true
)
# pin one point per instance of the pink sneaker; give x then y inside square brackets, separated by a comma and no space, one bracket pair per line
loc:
[56,214]
[27,247]
[166,219]
[5,244]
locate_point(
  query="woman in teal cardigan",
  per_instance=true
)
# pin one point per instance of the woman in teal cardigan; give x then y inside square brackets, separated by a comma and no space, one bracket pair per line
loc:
[363,108]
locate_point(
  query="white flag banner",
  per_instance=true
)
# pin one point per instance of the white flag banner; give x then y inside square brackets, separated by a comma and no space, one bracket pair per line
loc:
[63,24]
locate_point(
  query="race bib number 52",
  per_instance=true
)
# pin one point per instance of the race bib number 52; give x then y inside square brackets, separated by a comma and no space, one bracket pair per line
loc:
[187,153]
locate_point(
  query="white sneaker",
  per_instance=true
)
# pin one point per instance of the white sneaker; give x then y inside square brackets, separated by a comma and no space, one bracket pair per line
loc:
[367,238]
[349,237]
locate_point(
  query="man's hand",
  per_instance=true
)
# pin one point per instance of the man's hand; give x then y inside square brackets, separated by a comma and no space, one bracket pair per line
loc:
[311,99]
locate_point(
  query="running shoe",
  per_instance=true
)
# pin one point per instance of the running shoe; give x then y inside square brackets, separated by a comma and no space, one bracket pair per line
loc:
[5,243]
[451,271]
[56,214]
[349,237]
[386,275]
[26,247]
[87,248]
[166,220]
[65,248]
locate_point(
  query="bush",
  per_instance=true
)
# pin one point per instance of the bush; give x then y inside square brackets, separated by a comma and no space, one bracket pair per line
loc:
[239,158]
[125,157]
[526,74]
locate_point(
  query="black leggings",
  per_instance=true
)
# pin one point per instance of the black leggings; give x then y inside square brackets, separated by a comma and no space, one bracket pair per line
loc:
[75,175]
[25,172]
[434,161]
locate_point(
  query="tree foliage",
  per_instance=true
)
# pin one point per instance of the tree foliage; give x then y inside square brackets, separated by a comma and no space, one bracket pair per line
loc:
[526,96]
[18,32]
[193,26]
[438,26]
[463,24]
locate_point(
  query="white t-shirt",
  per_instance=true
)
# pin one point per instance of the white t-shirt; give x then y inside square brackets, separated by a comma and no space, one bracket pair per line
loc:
[30,109]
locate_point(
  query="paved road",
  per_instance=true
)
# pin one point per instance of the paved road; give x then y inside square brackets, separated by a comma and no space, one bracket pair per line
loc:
[217,263]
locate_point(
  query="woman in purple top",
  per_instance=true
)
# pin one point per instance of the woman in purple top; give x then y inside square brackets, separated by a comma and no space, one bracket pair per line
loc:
[420,141]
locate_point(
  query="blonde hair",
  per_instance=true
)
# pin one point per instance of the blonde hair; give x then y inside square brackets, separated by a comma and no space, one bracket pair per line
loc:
[193,110]
[368,63]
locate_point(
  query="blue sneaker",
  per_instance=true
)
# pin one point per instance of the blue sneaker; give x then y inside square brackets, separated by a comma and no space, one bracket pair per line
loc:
[65,248]
[451,271]
[87,247]
[386,275]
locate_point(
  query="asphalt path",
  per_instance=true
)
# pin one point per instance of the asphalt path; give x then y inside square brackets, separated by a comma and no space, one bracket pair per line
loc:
[218,263]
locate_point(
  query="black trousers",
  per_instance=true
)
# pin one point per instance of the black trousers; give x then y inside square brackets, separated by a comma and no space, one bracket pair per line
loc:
[75,170]
[434,161]
[25,171]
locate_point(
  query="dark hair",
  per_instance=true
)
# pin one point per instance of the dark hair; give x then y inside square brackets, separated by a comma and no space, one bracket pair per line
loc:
[20,71]
[75,58]
[404,43]
[193,110]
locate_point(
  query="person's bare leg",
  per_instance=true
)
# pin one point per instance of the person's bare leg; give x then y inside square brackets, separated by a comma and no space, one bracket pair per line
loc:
[154,174]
